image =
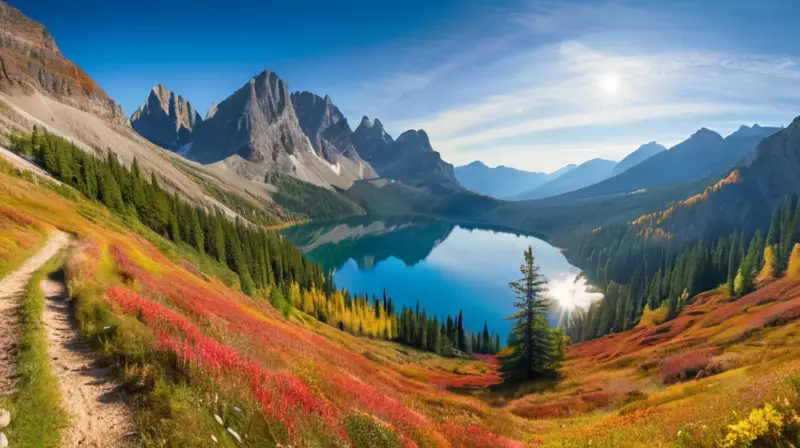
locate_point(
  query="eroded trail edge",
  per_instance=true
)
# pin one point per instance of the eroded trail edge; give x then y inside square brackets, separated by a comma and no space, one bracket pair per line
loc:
[90,394]
[12,289]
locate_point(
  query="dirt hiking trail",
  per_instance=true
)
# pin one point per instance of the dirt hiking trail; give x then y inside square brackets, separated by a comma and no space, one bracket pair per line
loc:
[89,393]
[12,290]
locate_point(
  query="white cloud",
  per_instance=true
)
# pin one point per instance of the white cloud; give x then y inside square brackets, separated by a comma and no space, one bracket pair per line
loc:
[518,96]
[564,94]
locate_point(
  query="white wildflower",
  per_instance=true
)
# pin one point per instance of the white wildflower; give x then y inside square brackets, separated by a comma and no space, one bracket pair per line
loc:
[5,418]
[218,418]
[235,435]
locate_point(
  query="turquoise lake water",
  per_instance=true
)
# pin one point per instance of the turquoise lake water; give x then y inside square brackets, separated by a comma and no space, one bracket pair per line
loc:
[444,266]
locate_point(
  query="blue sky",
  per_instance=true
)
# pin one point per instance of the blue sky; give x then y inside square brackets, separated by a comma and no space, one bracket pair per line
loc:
[530,84]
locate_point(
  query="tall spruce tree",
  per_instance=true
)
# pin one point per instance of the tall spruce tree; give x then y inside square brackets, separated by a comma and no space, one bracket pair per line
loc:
[530,339]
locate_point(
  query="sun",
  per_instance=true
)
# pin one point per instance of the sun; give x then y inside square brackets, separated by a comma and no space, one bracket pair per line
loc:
[609,83]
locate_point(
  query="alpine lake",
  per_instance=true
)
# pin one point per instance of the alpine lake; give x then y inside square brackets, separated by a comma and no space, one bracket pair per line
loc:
[445,267]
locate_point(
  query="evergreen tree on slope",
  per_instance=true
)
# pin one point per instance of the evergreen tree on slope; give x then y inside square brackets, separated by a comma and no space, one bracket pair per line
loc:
[532,342]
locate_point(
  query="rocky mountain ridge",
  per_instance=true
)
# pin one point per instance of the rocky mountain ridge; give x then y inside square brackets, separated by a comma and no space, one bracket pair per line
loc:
[410,159]
[705,154]
[31,60]
[638,156]
[256,130]
[587,173]
[166,119]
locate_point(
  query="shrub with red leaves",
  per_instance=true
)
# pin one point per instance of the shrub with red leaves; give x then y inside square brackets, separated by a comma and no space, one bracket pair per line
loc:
[16,217]
[474,436]
[282,396]
[777,315]
[685,366]
[270,341]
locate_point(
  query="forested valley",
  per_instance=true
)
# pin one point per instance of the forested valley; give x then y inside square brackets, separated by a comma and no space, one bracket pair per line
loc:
[260,262]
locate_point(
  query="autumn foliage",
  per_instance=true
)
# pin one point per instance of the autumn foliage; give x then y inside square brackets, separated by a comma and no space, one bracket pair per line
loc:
[299,379]
[794,263]
[685,366]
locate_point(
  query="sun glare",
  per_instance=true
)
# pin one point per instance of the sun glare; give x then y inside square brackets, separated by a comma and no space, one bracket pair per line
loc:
[609,84]
[570,292]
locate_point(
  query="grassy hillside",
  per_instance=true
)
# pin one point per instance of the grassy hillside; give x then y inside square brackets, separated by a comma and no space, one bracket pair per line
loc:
[306,200]
[191,350]
[188,348]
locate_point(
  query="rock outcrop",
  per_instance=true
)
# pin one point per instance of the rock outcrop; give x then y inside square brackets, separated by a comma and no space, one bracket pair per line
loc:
[30,59]
[166,119]
[326,128]
[409,159]
[255,130]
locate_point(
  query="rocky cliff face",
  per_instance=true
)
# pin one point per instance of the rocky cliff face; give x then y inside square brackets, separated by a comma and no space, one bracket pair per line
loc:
[256,123]
[256,130]
[30,59]
[371,140]
[326,128]
[166,119]
[409,159]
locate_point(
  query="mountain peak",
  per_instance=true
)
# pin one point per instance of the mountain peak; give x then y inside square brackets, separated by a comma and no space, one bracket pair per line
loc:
[706,133]
[166,119]
[159,90]
[413,134]
[211,111]
[477,164]
[753,131]
[266,74]
[368,123]
[31,60]
[641,154]
[372,128]
[325,126]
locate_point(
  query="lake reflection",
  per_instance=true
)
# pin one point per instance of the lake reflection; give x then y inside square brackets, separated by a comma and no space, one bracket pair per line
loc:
[446,267]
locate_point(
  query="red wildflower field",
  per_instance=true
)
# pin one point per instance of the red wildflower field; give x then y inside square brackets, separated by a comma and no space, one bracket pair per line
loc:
[491,377]
[296,375]
[19,237]
[685,366]
[254,346]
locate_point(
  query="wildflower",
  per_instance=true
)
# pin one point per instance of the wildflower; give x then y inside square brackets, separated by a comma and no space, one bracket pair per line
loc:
[5,418]
[218,418]
[764,422]
[214,438]
[235,435]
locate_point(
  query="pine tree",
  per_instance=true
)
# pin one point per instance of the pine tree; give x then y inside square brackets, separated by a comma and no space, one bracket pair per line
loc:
[733,265]
[532,352]
[485,340]
[110,194]
[745,278]
[462,345]
[741,284]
